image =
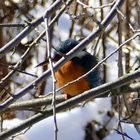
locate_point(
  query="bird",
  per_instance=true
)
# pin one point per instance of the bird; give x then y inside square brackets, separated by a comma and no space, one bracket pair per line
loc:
[80,64]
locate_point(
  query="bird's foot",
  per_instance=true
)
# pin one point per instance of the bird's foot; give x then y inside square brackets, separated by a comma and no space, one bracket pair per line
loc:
[67,96]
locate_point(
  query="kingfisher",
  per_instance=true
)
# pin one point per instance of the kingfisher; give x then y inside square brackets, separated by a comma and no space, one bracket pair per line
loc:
[80,64]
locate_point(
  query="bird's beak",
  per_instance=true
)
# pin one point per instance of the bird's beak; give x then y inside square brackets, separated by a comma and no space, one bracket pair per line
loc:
[54,59]
[42,63]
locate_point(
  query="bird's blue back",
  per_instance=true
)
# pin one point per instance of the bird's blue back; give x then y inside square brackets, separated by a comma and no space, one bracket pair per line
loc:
[83,59]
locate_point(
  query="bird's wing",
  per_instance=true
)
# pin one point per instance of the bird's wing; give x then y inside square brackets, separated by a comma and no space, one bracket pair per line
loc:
[88,61]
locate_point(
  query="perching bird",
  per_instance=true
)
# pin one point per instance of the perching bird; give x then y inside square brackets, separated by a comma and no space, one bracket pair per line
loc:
[74,68]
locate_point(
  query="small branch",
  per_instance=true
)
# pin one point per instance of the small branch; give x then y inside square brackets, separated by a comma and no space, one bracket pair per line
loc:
[120,71]
[18,70]
[100,7]
[12,25]
[43,101]
[123,134]
[22,59]
[128,22]
[46,21]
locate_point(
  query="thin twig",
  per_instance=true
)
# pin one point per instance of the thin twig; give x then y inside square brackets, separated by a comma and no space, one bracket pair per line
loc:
[104,47]
[123,134]
[46,21]
[42,101]
[18,70]
[120,72]
[1,123]
[100,7]
[128,22]
[22,59]
[12,25]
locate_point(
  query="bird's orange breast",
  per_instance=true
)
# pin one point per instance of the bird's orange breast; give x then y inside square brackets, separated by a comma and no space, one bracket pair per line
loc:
[69,72]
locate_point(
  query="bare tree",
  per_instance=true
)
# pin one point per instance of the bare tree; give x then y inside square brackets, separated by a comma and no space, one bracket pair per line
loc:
[105,30]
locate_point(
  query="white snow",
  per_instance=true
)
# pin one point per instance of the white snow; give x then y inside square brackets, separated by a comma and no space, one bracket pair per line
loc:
[71,124]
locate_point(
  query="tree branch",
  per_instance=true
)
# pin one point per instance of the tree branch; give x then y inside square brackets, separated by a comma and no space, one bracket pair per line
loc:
[45,101]
[42,101]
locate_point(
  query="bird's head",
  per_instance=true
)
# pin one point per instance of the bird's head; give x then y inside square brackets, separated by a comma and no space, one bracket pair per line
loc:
[63,48]
[60,50]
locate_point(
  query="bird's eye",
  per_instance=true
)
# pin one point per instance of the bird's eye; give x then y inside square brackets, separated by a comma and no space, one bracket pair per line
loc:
[56,57]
